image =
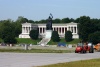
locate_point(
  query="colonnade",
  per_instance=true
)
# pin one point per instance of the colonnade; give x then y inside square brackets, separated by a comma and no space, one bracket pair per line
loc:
[26,29]
[61,30]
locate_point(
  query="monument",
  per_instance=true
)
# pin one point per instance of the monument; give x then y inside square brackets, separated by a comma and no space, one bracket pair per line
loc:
[48,32]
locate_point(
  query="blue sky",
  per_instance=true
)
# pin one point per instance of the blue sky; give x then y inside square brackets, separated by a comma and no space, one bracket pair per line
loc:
[40,9]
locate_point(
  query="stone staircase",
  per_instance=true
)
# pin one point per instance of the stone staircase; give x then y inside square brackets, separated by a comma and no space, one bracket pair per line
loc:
[44,41]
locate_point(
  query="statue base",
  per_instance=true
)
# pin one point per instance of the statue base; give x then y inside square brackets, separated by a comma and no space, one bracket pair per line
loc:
[48,33]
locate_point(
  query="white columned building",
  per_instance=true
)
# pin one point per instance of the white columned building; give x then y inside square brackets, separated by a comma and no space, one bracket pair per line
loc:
[61,28]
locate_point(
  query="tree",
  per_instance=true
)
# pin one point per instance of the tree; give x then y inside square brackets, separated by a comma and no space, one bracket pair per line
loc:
[55,36]
[10,39]
[34,34]
[7,32]
[68,36]
[85,28]
[43,21]
[30,21]
[17,28]
[65,20]
[72,20]
[94,37]
[22,19]
[77,20]
[56,20]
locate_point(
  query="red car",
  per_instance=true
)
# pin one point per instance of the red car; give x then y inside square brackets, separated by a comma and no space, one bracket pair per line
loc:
[83,48]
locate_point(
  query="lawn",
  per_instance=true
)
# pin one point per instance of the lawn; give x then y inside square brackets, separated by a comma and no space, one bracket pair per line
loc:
[34,42]
[82,63]
[27,41]
[74,41]
[36,51]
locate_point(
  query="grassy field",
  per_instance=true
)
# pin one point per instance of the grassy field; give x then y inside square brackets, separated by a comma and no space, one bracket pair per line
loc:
[34,42]
[75,41]
[36,51]
[27,41]
[82,63]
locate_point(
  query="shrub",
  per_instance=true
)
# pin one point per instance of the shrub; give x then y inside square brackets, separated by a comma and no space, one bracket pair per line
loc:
[68,36]
[55,36]
[34,34]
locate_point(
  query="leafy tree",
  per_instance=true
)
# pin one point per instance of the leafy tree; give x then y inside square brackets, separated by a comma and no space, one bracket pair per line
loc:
[22,19]
[77,20]
[56,20]
[10,39]
[68,36]
[7,32]
[34,34]
[17,28]
[96,22]
[94,37]
[55,36]
[65,20]
[43,21]
[72,20]
[85,27]
[30,21]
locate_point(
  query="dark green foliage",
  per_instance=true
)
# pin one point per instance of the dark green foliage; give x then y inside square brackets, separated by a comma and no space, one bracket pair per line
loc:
[94,37]
[43,21]
[6,28]
[30,21]
[10,39]
[55,36]
[56,21]
[7,32]
[17,28]
[21,19]
[34,34]
[85,27]
[66,20]
[68,36]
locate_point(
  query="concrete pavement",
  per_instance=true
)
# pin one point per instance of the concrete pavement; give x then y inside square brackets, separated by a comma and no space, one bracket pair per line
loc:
[38,59]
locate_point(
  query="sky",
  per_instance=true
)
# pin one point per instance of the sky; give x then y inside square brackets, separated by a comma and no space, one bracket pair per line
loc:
[40,9]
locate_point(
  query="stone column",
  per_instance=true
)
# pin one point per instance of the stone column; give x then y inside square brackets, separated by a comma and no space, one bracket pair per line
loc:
[73,29]
[39,29]
[67,28]
[61,30]
[22,29]
[25,29]
[55,29]
[76,30]
[64,30]
[58,30]
[28,29]
[42,30]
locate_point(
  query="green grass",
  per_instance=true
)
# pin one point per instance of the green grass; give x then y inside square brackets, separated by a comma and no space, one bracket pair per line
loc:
[30,41]
[74,41]
[27,41]
[82,63]
[36,51]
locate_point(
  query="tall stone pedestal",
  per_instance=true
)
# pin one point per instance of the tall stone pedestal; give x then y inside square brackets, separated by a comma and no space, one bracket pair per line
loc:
[48,33]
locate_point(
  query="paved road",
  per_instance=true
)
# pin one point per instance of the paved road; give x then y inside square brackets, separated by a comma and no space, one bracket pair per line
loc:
[38,59]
